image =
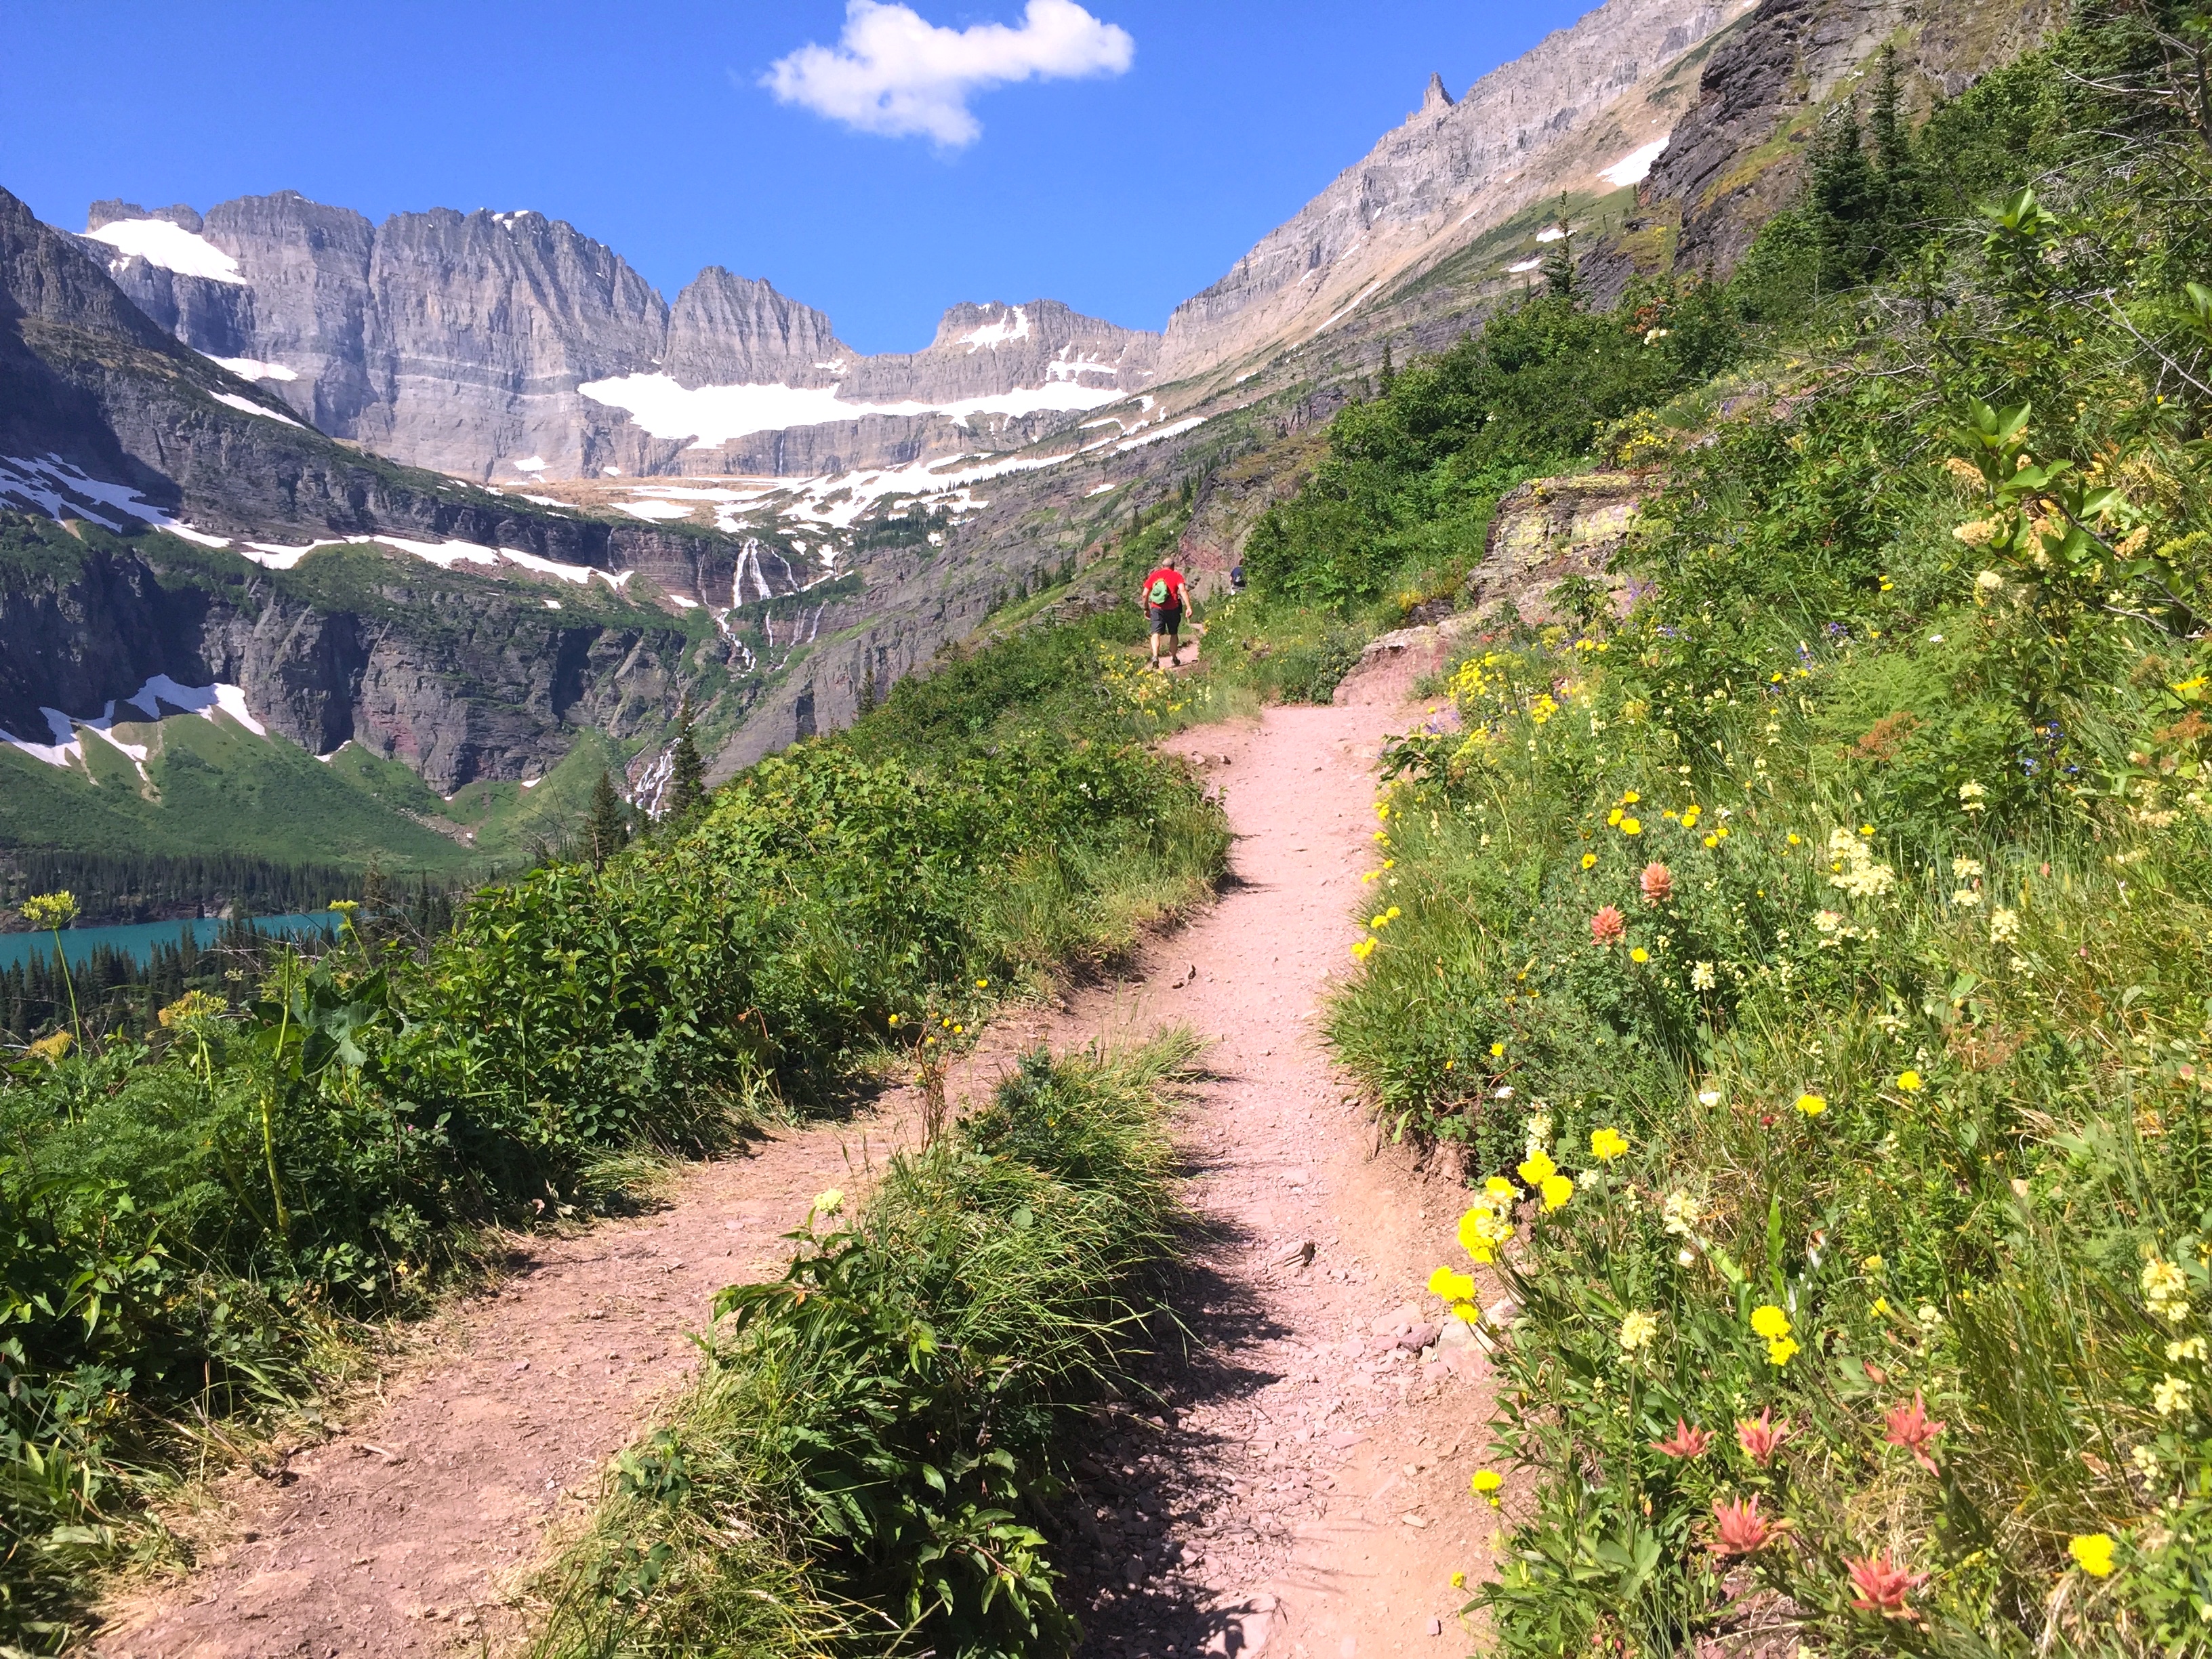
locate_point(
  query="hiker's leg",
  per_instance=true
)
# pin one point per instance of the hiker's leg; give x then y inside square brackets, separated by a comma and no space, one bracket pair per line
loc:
[1156,638]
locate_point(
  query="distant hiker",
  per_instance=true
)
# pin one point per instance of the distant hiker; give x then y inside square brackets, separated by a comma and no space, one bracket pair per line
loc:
[1236,577]
[1165,596]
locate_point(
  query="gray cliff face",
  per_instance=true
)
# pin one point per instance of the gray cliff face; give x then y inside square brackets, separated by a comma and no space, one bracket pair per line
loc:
[458,688]
[1443,156]
[1789,58]
[459,341]
[464,674]
[738,330]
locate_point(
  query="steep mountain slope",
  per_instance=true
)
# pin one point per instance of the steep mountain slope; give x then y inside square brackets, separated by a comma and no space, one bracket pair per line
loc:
[172,543]
[508,346]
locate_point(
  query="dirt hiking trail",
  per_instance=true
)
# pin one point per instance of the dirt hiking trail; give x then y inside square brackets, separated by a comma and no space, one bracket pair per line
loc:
[1296,1484]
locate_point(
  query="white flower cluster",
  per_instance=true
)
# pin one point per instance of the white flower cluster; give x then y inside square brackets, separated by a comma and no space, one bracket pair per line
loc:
[1854,871]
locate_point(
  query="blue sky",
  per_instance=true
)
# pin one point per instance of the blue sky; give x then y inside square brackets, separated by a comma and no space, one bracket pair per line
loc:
[648,126]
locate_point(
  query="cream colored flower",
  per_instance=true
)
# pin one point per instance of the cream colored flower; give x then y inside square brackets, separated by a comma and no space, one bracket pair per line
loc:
[1636,1331]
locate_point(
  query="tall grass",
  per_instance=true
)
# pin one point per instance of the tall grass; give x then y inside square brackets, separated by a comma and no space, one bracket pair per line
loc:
[857,1468]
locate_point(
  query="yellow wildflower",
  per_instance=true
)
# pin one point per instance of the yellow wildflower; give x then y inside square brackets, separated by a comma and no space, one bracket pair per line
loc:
[1770,1321]
[1451,1286]
[1910,1081]
[2092,1553]
[1607,1144]
[1638,1330]
[1782,1351]
[1536,1166]
[1812,1105]
[1638,953]
[1557,1190]
[1589,860]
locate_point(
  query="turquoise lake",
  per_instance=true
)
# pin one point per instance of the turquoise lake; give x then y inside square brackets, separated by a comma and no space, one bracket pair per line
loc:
[137,941]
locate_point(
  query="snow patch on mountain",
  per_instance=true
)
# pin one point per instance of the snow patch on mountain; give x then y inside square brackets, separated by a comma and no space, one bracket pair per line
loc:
[711,416]
[172,247]
[1014,325]
[155,700]
[1635,166]
[247,406]
[63,492]
[252,368]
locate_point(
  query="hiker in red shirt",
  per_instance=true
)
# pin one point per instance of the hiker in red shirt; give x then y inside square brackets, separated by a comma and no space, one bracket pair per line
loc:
[1165,596]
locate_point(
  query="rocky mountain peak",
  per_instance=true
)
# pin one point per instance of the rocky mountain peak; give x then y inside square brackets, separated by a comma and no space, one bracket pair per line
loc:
[1435,100]
[108,212]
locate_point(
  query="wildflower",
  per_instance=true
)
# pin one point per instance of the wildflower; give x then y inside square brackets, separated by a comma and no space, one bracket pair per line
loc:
[1762,1439]
[1362,949]
[1770,1321]
[1739,1528]
[2171,1394]
[1639,954]
[1782,1350]
[1872,1264]
[1607,1144]
[1966,898]
[1709,1096]
[1701,976]
[1497,1051]
[1811,1105]
[830,1202]
[1978,532]
[1911,1427]
[2189,1348]
[1658,884]
[1557,1190]
[1537,1166]
[1689,1442]
[1589,860]
[1966,869]
[1459,1580]
[1910,1081]
[1712,841]
[983,984]
[1880,1309]
[1451,1286]
[1883,1585]
[2165,1291]
[49,913]
[1632,827]
[1972,797]
[1612,818]
[1853,869]
[2004,925]
[1482,1229]
[895,1019]
[2092,1553]
[51,1049]
[1485,1483]
[1680,1213]
[1501,1190]
[190,1009]
[1636,1331]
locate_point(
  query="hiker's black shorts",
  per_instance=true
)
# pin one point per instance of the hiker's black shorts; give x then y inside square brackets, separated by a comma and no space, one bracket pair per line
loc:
[1166,618]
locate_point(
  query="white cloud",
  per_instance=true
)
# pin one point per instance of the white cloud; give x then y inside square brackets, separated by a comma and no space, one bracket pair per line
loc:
[895,73]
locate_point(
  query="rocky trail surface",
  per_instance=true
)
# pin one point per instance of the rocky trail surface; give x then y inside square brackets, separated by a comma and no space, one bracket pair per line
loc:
[1295,1484]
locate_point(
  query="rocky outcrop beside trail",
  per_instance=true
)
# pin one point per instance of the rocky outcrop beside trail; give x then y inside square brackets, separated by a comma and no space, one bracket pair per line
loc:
[1550,530]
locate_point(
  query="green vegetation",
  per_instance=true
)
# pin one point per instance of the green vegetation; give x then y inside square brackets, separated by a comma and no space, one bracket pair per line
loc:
[1811,956]
[215,789]
[192,1216]
[875,1429]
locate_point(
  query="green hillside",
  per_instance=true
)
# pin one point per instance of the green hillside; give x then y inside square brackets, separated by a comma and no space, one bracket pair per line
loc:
[214,788]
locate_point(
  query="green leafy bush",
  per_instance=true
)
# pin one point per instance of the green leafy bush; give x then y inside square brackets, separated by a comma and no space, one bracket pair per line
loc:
[892,1409]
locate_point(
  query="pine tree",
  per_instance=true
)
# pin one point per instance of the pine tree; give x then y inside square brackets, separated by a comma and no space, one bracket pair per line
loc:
[607,829]
[868,688]
[687,780]
[1389,370]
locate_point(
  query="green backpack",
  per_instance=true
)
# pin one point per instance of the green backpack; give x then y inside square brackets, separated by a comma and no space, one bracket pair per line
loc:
[1158,594]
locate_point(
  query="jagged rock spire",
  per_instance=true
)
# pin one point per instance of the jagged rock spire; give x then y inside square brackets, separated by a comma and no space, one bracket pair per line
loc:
[1435,100]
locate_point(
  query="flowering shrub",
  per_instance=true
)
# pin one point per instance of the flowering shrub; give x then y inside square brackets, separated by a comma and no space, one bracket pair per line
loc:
[1854,875]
